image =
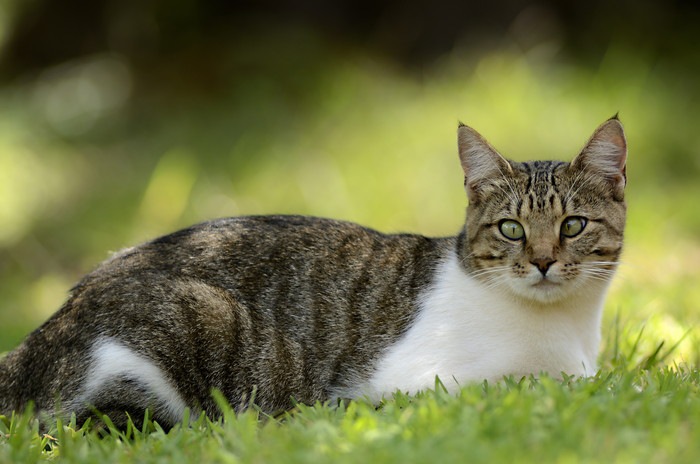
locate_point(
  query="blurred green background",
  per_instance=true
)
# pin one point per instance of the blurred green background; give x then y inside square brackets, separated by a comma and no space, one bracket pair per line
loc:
[121,120]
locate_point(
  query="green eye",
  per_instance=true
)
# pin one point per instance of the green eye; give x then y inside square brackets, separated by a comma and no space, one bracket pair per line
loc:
[512,229]
[572,226]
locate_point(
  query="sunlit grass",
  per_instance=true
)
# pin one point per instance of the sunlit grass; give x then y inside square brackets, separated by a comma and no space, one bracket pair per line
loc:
[631,415]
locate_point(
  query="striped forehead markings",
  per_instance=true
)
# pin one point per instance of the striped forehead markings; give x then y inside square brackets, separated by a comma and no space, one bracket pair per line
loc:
[542,184]
[541,187]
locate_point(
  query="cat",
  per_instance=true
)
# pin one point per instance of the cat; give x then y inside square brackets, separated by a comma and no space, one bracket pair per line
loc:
[273,310]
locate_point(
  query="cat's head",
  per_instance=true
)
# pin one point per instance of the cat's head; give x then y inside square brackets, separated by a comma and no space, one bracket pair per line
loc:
[544,230]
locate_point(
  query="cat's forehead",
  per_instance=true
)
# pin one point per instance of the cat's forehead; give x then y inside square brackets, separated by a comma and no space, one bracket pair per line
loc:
[538,172]
[539,177]
[539,185]
[535,190]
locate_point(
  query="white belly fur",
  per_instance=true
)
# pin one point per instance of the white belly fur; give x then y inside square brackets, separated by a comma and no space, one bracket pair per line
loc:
[465,332]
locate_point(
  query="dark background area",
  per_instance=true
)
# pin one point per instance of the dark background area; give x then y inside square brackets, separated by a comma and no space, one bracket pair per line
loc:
[188,40]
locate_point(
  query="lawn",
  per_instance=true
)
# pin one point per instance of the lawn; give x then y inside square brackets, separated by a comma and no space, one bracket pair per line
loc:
[637,415]
[364,142]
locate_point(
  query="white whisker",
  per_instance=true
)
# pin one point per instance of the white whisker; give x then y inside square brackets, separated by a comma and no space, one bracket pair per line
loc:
[512,197]
[581,179]
[493,282]
[568,194]
[493,270]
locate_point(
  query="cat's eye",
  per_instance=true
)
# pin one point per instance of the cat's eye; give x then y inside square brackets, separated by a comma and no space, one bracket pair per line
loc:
[512,229]
[572,226]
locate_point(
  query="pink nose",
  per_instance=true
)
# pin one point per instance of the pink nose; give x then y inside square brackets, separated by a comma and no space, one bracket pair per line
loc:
[543,264]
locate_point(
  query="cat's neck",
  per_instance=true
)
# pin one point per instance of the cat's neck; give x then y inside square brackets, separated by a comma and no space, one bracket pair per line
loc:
[467,332]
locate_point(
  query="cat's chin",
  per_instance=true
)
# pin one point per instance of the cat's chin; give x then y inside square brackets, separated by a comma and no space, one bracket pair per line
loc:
[544,291]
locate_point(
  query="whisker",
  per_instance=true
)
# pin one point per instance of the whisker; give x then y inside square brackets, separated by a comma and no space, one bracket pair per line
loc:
[512,195]
[594,275]
[600,262]
[598,267]
[597,272]
[600,271]
[582,176]
[493,270]
[567,196]
[493,283]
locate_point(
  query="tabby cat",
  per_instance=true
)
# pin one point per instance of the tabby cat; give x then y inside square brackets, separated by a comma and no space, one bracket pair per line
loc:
[272,310]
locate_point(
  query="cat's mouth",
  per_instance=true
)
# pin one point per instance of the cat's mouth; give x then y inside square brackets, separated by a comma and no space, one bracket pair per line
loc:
[545,283]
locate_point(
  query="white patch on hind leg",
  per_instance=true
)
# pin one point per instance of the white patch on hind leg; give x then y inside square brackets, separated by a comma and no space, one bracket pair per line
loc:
[111,359]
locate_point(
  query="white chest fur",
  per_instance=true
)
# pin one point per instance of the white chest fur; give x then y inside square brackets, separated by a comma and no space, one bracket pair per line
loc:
[466,333]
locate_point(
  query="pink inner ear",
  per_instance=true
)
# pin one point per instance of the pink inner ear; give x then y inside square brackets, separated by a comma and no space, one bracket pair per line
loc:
[618,139]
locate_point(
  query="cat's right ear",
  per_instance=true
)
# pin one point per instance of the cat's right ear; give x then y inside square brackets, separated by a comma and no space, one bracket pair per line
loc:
[481,163]
[605,155]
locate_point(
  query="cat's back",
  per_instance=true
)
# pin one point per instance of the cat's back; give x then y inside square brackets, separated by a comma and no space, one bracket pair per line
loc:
[291,306]
[279,266]
[251,252]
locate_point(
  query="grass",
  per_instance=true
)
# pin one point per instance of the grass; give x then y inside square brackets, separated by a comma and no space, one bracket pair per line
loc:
[635,415]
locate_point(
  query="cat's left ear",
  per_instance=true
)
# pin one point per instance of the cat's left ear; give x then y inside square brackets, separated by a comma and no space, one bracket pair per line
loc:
[605,154]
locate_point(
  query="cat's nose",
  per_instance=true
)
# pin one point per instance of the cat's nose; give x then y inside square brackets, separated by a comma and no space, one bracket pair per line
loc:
[543,264]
